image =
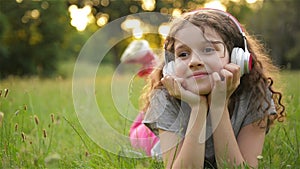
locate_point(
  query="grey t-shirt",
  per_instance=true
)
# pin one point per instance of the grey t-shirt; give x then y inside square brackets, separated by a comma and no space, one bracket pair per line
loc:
[168,113]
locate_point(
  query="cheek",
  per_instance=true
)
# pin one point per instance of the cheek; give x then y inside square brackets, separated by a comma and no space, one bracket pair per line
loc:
[225,61]
[216,64]
[180,68]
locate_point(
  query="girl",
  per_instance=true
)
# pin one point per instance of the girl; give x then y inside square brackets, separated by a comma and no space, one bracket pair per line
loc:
[215,107]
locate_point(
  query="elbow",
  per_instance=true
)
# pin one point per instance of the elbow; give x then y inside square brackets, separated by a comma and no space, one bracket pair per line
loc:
[186,165]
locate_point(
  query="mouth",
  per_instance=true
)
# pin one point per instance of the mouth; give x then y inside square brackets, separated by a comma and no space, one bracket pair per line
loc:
[198,75]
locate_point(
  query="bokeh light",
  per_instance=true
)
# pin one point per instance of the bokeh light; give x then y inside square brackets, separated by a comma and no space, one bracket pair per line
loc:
[137,32]
[102,20]
[130,24]
[176,12]
[148,5]
[215,5]
[164,29]
[35,14]
[80,17]
[251,1]
[134,26]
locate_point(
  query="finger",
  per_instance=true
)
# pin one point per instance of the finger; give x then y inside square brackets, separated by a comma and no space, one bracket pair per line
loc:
[178,89]
[232,79]
[218,83]
[228,76]
[183,93]
[168,82]
[234,69]
[216,77]
[173,86]
[219,91]
[164,81]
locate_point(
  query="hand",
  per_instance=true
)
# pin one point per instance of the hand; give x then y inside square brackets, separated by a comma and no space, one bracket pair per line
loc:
[224,87]
[232,75]
[175,87]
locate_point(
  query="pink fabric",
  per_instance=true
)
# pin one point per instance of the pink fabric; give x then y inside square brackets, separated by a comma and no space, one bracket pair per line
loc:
[147,62]
[141,137]
[145,71]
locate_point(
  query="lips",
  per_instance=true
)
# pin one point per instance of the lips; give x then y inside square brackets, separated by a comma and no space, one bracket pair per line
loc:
[199,74]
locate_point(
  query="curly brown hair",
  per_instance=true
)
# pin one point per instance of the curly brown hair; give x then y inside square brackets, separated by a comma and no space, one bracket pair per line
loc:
[258,81]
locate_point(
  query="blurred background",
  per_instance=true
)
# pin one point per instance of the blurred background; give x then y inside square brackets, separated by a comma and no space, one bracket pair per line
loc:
[37,36]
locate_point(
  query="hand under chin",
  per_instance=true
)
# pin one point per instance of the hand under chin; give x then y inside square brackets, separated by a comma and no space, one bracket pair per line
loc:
[195,89]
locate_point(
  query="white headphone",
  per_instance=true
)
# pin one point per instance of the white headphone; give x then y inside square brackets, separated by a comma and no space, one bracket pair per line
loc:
[239,56]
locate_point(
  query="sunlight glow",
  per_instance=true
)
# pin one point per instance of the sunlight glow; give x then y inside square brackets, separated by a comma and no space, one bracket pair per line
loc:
[251,1]
[215,5]
[137,33]
[80,16]
[134,26]
[176,12]
[148,5]
[102,20]
[105,3]
[35,14]
[130,24]
[164,29]
[45,5]
[19,1]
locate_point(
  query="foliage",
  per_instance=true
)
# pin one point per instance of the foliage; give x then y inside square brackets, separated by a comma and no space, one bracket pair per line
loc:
[36,35]
[120,9]
[278,23]
[31,36]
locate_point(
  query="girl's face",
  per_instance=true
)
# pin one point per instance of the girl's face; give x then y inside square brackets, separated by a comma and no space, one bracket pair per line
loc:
[197,56]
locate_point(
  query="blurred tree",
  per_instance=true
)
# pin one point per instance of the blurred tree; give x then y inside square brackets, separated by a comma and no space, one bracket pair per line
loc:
[31,36]
[278,23]
[114,9]
[36,34]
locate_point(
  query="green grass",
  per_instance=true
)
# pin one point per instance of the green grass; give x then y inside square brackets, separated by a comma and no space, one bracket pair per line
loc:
[282,145]
[35,107]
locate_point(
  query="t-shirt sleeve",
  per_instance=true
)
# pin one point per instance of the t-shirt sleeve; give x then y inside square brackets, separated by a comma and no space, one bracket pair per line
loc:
[253,115]
[164,112]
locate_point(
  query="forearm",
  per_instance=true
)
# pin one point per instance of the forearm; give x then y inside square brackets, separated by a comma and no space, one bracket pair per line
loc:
[225,143]
[192,152]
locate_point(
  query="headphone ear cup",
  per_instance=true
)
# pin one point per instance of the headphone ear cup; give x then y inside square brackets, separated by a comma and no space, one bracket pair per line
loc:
[169,68]
[247,62]
[237,57]
[243,59]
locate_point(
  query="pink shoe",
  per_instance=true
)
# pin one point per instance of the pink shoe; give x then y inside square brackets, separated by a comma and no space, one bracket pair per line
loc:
[141,137]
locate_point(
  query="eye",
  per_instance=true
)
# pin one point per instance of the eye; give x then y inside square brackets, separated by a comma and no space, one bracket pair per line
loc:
[209,50]
[182,54]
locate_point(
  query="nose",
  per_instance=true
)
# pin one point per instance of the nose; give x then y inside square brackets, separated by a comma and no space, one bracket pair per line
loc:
[195,61]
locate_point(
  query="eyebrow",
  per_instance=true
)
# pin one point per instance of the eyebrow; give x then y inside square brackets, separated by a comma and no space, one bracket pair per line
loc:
[183,45]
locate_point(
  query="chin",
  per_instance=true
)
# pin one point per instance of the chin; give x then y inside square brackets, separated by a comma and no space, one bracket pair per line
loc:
[199,88]
[200,91]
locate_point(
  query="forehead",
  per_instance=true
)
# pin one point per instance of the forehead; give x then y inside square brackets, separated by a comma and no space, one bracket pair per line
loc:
[192,36]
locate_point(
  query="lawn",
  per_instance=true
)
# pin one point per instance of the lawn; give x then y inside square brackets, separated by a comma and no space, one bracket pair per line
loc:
[41,129]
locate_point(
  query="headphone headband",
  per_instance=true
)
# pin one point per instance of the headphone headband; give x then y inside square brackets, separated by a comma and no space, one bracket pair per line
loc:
[232,18]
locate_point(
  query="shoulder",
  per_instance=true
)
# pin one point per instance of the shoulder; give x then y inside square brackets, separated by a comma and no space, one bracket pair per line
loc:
[162,102]
[166,112]
[160,92]
[251,109]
